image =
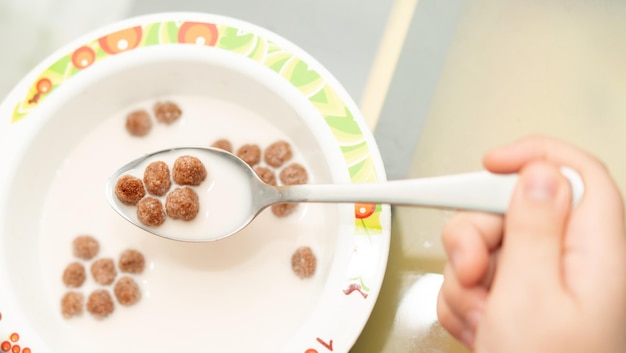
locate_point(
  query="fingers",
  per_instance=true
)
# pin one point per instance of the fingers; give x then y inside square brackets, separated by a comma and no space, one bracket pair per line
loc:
[535,226]
[469,238]
[454,324]
[596,227]
[460,308]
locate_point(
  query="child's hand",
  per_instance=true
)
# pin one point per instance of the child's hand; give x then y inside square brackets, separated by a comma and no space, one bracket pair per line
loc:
[544,278]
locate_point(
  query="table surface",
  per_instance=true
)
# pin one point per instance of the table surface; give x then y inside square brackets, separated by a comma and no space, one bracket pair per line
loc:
[439,83]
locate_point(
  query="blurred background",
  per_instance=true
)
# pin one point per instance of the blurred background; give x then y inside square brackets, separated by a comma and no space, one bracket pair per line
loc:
[439,83]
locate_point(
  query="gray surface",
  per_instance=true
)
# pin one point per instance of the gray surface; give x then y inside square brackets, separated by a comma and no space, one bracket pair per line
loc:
[343,35]
[32,33]
[414,84]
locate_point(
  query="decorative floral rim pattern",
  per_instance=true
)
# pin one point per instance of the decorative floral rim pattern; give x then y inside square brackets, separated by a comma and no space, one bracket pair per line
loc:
[287,64]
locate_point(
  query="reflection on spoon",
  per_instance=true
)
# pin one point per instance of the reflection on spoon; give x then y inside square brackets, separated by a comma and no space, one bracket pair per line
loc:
[233,195]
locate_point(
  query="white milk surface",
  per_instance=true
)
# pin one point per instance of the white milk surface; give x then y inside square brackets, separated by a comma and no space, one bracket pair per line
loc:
[234,295]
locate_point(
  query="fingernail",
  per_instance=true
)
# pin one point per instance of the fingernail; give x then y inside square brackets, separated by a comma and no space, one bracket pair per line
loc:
[540,183]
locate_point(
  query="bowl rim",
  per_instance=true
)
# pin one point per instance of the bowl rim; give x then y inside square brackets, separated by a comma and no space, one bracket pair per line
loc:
[17,126]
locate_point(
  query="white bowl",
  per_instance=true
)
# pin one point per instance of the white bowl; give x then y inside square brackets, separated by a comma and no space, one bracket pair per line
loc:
[62,134]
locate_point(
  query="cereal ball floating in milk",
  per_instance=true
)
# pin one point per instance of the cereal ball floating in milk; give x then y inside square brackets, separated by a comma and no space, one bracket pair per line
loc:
[250,153]
[127,291]
[167,112]
[293,174]
[129,190]
[132,261]
[182,203]
[156,178]
[103,271]
[74,275]
[150,212]
[138,123]
[72,304]
[223,144]
[303,262]
[188,170]
[266,175]
[277,153]
[283,209]
[100,303]
[85,247]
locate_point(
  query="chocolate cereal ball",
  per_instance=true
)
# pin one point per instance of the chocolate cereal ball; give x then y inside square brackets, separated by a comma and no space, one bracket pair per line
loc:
[223,144]
[156,178]
[182,203]
[250,154]
[85,247]
[293,174]
[150,212]
[74,275]
[138,123]
[188,170]
[303,262]
[129,189]
[266,175]
[277,153]
[103,271]
[166,112]
[100,303]
[72,304]
[131,261]
[283,209]
[127,291]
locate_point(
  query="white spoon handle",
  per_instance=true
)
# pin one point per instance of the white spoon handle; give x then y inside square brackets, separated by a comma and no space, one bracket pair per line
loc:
[480,191]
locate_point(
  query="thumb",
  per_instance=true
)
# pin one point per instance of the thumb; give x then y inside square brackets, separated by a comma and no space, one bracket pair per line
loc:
[535,226]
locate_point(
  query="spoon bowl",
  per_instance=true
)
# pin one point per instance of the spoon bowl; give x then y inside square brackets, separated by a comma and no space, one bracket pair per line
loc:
[226,198]
[233,194]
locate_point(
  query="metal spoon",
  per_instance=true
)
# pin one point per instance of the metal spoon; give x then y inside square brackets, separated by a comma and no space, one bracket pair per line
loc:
[233,195]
